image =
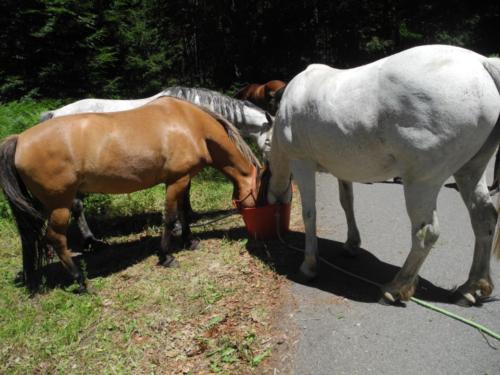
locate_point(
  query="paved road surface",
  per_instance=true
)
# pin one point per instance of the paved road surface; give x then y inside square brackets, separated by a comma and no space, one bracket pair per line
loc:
[355,334]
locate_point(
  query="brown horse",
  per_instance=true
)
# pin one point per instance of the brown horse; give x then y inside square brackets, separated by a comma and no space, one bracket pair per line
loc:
[262,95]
[166,141]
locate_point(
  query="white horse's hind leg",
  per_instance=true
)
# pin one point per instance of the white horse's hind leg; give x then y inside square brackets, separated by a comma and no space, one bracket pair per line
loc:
[347,201]
[474,192]
[421,207]
[304,174]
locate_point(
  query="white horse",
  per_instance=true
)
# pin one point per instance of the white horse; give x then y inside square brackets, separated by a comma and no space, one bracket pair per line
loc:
[423,114]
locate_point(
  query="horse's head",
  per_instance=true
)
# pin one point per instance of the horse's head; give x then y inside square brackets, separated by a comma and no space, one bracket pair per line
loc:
[257,196]
[265,134]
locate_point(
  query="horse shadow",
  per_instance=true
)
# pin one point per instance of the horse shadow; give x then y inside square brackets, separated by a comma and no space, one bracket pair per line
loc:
[126,225]
[109,258]
[116,257]
[287,262]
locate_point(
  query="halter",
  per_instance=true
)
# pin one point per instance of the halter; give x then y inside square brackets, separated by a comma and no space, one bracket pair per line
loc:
[251,193]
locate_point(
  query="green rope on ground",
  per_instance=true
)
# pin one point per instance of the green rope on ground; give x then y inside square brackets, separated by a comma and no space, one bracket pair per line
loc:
[422,303]
[457,317]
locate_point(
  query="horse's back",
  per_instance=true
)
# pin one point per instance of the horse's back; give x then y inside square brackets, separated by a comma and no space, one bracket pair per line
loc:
[384,118]
[91,105]
[138,148]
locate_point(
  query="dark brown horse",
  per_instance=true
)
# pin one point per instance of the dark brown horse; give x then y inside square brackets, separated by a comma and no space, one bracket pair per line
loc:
[167,141]
[262,95]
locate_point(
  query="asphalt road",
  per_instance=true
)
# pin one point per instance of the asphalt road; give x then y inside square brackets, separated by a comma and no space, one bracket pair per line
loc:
[342,328]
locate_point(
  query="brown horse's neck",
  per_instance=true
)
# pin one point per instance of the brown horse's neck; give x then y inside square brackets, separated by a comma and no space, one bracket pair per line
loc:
[232,156]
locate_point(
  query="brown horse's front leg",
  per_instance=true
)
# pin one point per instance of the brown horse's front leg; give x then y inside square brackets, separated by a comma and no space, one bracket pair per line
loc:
[166,259]
[56,235]
[174,205]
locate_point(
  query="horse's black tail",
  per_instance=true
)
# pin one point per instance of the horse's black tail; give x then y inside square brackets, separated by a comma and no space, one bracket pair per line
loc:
[27,213]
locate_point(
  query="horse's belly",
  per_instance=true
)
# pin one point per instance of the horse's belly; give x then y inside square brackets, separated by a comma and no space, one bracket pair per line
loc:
[350,154]
[359,166]
[125,183]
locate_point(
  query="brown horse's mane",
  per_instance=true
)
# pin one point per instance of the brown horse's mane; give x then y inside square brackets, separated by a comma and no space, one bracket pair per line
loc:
[235,137]
[232,132]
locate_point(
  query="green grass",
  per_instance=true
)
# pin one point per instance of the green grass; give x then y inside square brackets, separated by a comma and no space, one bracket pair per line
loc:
[18,116]
[210,315]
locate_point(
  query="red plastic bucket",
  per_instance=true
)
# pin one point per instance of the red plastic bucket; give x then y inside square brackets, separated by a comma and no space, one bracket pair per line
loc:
[261,222]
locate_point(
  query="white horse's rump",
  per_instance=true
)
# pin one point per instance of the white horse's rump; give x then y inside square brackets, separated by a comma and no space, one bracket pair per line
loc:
[423,114]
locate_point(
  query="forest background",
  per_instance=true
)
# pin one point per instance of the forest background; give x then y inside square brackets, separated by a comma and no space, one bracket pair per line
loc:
[130,48]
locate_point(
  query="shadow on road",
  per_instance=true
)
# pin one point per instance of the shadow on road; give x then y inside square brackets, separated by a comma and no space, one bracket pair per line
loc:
[286,262]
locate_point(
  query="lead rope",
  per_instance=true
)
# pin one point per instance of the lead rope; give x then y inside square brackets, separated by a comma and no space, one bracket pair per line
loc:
[232,212]
[428,305]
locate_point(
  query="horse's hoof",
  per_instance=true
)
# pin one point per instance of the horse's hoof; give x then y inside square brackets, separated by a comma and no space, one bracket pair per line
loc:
[388,299]
[395,293]
[170,262]
[192,244]
[302,278]
[463,299]
[473,293]
[305,275]
[350,251]
[82,289]
[469,297]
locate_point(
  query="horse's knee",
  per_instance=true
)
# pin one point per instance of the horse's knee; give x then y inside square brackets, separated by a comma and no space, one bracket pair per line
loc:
[428,234]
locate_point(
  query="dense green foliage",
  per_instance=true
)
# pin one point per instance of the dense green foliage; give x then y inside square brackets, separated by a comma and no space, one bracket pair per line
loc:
[131,48]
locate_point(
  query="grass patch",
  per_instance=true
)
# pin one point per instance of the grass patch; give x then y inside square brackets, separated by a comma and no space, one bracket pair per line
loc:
[211,315]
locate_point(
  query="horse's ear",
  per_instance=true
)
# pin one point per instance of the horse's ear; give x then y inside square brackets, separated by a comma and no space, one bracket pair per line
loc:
[269,118]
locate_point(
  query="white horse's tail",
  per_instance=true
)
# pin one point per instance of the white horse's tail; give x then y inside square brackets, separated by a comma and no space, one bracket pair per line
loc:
[492,66]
